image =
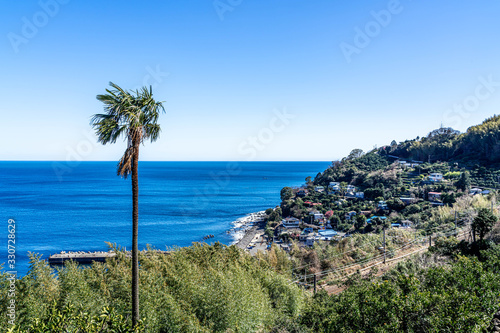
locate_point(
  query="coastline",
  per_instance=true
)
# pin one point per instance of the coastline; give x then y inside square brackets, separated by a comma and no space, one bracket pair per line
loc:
[247,228]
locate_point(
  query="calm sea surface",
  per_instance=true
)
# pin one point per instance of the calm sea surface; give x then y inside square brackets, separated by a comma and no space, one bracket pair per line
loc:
[61,206]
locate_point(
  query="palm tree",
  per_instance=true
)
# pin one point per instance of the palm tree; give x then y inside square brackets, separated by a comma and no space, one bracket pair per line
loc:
[132,115]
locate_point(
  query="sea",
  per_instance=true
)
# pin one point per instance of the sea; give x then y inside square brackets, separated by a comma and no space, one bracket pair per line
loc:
[80,206]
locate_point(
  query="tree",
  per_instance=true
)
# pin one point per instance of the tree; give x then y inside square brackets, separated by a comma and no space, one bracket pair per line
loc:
[334,221]
[286,193]
[483,222]
[464,182]
[275,215]
[360,222]
[133,115]
[355,153]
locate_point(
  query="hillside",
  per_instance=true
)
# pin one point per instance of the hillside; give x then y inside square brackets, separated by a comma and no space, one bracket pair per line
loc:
[480,145]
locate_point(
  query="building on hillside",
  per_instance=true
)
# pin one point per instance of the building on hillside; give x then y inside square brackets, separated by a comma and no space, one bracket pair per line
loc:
[310,240]
[317,216]
[350,188]
[436,177]
[305,233]
[290,222]
[327,234]
[475,191]
[406,224]
[373,217]
[319,189]
[382,205]
[408,201]
[334,189]
[434,196]
[302,193]
[350,215]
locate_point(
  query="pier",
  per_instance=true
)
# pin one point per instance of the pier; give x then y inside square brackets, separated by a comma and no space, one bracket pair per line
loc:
[83,257]
[80,257]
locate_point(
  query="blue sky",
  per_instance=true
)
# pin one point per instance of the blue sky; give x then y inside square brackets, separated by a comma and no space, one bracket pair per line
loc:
[246,79]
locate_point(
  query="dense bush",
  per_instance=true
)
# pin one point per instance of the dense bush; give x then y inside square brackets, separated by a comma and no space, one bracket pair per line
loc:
[461,297]
[195,289]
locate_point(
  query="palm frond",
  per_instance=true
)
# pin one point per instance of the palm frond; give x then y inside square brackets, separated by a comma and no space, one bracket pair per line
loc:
[131,114]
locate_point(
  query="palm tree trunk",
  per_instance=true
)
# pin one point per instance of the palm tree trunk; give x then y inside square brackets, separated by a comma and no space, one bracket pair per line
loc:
[135,235]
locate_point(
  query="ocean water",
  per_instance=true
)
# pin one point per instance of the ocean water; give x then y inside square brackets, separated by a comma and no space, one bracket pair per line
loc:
[62,206]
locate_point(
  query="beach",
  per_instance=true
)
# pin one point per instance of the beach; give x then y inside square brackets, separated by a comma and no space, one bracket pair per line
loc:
[249,232]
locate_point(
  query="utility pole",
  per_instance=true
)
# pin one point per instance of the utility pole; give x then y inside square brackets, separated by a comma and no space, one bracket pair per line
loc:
[430,240]
[315,284]
[456,224]
[384,244]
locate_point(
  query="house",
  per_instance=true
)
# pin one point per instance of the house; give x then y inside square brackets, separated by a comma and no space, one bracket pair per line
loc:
[302,193]
[332,184]
[310,241]
[305,233]
[350,195]
[436,177]
[350,215]
[475,191]
[382,205]
[373,217]
[406,224]
[317,215]
[350,188]
[319,189]
[366,212]
[327,234]
[334,188]
[354,195]
[407,201]
[434,196]
[290,222]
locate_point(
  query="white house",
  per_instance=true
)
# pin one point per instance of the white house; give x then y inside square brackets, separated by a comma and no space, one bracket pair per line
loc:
[290,222]
[406,224]
[310,241]
[317,215]
[475,191]
[350,188]
[334,188]
[382,205]
[436,177]
[319,189]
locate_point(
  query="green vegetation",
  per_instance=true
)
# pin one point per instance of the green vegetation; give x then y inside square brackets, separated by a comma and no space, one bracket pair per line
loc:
[460,296]
[195,289]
